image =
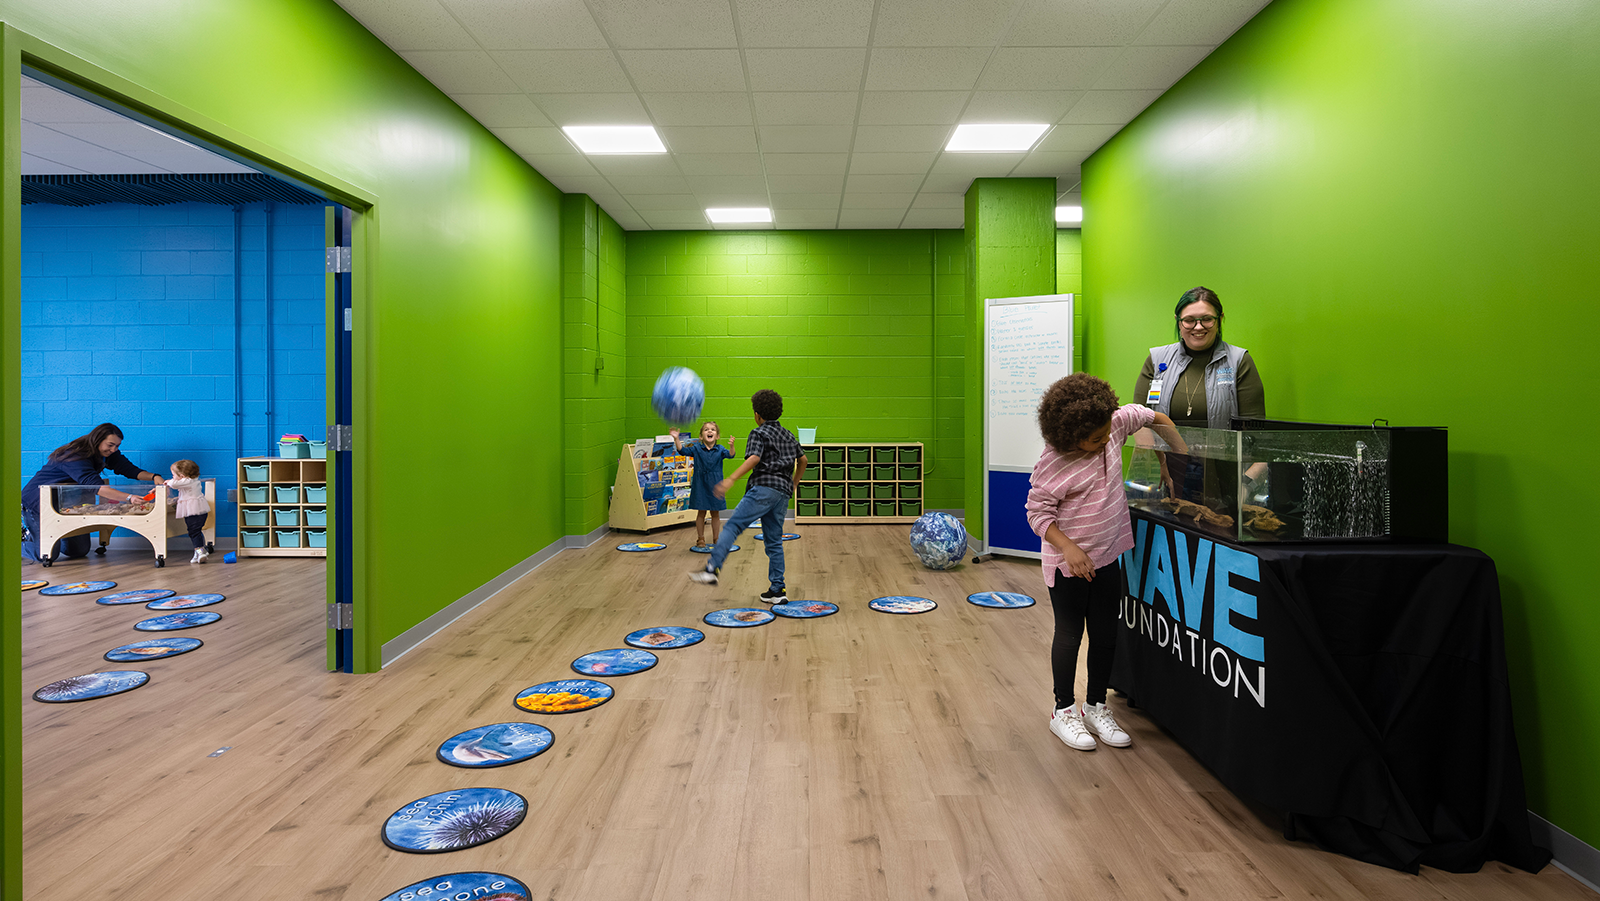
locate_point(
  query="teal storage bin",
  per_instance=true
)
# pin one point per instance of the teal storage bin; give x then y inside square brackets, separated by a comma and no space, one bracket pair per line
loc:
[255,472]
[288,537]
[287,494]
[255,495]
[253,516]
[316,516]
[295,450]
[319,450]
[316,537]
[253,537]
[316,494]
[286,516]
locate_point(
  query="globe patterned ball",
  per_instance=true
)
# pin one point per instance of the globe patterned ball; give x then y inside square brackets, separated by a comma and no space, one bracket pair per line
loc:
[678,396]
[939,540]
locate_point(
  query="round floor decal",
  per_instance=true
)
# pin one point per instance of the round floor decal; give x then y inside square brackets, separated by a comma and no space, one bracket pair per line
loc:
[787,536]
[564,696]
[1007,599]
[901,603]
[153,649]
[186,601]
[495,745]
[805,609]
[91,685]
[635,547]
[452,820]
[614,662]
[477,886]
[30,584]
[706,549]
[739,617]
[142,596]
[77,588]
[665,637]
[174,621]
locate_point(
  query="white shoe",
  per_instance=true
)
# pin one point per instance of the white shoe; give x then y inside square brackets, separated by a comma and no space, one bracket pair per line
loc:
[199,555]
[1098,719]
[1067,724]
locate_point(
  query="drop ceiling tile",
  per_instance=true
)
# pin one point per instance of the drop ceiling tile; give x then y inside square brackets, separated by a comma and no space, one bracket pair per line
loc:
[709,139]
[805,138]
[801,108]
[189,160]
[1083,23]
[720,163]
[1109,107]
[942,182]
[1053,165]
[410,24]
[808,199]
[564,71]
[1153,68]
[933,200]
[1019,106]
[461,71]
[534,140]
[651,23]
[633,186]
[742,226]
[700,108]
[567,165]
[911,107]
[103,162]
[890,163]
[931,218]
[634,165]
[810,69]
[123,136]
[519,25]
[1198,21]
[629,220]
[593,109]
[806,163]
[798,184]
[38,165]
[42,103]
[657,71]
[583,184]
[874,201]
[1074,136]
[940,23]
[883,184]
[977,165]
[751,186]
[805,218]
[39,140]
[715,200]
[814,23]
[902,138]
[926,69]
[654,203]
[870,218]
[1046,68]
[675,219]
[497,110]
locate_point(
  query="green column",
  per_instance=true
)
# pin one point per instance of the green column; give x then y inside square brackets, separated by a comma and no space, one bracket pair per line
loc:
[10,458]
[1011,252]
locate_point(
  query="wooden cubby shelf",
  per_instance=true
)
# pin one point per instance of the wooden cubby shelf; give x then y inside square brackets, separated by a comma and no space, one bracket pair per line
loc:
[858,482]
[288,499]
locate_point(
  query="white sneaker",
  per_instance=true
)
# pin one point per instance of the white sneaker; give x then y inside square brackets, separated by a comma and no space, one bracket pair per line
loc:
[1098,719]
[199,555]
[1067,724]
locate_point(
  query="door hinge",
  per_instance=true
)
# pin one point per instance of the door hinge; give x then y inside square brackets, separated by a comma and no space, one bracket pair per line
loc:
[349,318]
[338,259]
[341,616]
[339,438]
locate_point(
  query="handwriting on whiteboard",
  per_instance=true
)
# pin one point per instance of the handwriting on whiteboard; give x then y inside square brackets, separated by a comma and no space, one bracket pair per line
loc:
[1027,353]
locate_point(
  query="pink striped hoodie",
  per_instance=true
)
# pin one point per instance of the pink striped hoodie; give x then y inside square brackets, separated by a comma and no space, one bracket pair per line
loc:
[1083,495]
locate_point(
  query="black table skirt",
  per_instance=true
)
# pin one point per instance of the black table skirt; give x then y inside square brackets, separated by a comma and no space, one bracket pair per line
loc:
[1360,689]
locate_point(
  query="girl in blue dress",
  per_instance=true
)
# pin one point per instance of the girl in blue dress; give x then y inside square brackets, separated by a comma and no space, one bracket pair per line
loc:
[707,455]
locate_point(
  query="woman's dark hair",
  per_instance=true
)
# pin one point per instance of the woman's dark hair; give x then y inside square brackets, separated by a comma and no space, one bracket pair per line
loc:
[768,404]
[1197,294]
[1073,408]
[86,447]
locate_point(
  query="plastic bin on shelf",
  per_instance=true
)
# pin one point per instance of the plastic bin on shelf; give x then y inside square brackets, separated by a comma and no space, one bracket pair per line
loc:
[316,537]
[883,455]
[833,473]
[883,473]
[255,472]
[254,495]
[316,516]
[860,491]
[319,450]
[833,455]
[911,508]
[910,490]
[316,494]
[808,491]
[253,516]
[910,454]
[833,491]
[860,508]
[288,537]
[807,508]
[833,508]
[860,473]
[294,450]
[286,494]
[883,508]
[252,537]
[883,491]
[286,516]
[910,473]
[860,455]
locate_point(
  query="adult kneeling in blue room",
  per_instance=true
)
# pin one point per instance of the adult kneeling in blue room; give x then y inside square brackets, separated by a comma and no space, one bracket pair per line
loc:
[79,461]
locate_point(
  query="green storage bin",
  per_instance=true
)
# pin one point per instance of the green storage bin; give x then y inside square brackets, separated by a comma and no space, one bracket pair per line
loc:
[316,494]
[911,454]
[910,490]
[316,516]
[910,473]
[808,491]
[812,452]
[316,537]
[253,516]
[911,508]
[860,473]
[253,537]
[319,450]
[255,472]
[833,492]
[883,473]
[883,508]
[286,494]
[288,537]
[255,495]
[286,516]
[294,450]
[808,508]
[883,491]
[860,508]
[833,473]
[833,508]
[860,455]
[833,455]
[860,491]
[883,455]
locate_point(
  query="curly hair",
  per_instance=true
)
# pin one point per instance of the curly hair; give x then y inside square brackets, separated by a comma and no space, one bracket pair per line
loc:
[768,404]
[1073,408]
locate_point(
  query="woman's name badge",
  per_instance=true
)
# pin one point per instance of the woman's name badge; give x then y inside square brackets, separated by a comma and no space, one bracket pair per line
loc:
[1225,375]
[1154,397]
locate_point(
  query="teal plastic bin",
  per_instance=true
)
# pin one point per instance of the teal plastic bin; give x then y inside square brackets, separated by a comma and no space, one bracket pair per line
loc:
[253,537]
[255,495]
[295,450]
[287,494]
[319,450]
[255,472]
[286,516]
[316,516]
[316,537]
[316,494]
[253,516]
[288,537]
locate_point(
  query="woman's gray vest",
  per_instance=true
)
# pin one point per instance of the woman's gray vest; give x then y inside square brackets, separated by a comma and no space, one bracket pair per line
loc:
[1222,395]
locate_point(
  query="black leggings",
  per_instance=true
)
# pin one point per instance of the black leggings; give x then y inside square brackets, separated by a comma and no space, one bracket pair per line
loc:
[1077,600]
[196,525]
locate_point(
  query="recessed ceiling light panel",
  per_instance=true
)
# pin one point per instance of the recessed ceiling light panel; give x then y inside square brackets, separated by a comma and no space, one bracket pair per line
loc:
[615,138]
[739,214]
[1069,215]
[994,138]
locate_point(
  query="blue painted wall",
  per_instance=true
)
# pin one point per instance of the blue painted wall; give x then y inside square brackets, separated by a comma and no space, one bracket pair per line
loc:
[128,317]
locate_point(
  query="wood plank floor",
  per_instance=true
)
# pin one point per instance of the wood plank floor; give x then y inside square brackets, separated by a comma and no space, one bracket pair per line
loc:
[860,756]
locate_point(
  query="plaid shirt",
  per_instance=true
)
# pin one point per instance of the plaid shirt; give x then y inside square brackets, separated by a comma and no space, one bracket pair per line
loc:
[778,450]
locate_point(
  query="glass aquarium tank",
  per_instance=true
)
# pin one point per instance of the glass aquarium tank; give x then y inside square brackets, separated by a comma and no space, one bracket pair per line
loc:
[1275,480]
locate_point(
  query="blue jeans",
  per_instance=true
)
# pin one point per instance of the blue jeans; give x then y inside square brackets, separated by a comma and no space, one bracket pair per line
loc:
[767,505]
[76,546]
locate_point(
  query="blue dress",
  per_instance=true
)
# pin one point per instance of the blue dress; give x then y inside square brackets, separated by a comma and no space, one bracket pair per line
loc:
[707,473]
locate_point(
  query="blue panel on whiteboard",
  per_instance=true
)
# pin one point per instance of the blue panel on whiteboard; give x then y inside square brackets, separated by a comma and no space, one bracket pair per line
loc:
[1008,515]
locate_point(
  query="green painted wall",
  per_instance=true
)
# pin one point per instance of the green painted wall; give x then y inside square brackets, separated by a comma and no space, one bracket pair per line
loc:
[593,270]
[860,331]
[1011,249]
[1396,201]
[1069,280]
[11,690]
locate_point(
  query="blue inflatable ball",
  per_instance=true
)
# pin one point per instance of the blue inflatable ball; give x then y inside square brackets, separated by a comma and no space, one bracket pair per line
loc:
[678,396]
[939,540]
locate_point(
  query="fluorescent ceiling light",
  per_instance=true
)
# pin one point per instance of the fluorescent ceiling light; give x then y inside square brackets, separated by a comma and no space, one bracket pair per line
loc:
[739,214]
[994,138]
[615,138]
[1069,215]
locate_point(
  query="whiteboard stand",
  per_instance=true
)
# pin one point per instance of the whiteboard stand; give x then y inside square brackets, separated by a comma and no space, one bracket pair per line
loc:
[1027,348]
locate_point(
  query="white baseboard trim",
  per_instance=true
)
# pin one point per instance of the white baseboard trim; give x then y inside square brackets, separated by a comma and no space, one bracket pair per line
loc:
[1574,856]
